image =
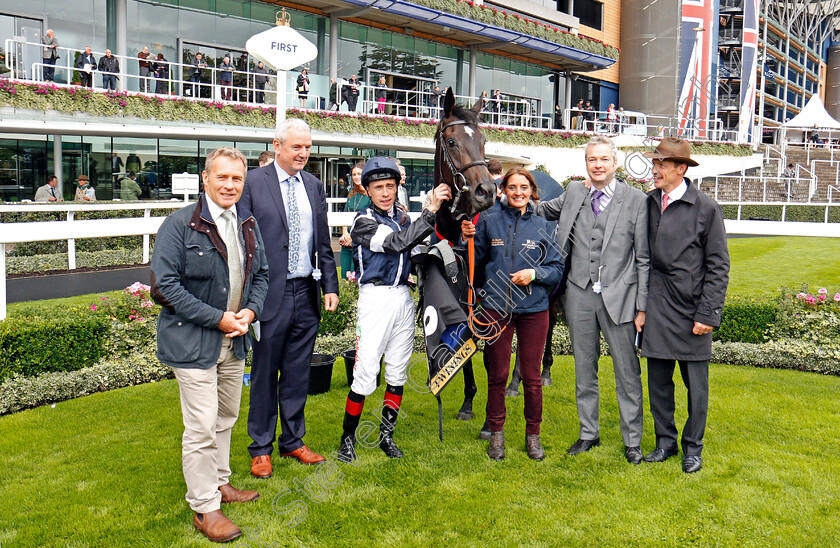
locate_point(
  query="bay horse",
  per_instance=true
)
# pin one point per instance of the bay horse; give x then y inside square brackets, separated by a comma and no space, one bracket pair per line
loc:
[460,164]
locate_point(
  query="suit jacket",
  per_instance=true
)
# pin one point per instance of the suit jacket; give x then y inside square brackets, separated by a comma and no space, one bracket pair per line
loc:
[263,197]
[43,194]
[625,254]
[85,59]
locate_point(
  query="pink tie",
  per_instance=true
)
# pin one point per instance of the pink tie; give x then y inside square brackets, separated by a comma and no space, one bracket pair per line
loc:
[664,202]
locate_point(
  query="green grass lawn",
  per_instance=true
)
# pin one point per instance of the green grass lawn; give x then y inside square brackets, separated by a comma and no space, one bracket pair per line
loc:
[105,470]
[763,265]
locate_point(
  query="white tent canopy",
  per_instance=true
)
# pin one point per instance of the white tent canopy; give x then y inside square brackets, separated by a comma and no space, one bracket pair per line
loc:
[814,114]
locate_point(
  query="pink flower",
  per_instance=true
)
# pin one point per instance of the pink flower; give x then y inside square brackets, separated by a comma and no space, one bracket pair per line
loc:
[821,298]
[837,297]
[93,307]
[801,296]
[822,290]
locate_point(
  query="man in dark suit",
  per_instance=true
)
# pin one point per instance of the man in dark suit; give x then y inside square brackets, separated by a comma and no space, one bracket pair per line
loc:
[603,230]
[290,206]
[86,64]
[688,278]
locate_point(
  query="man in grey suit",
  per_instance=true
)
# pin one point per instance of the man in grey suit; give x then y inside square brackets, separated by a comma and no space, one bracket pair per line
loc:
[603,232]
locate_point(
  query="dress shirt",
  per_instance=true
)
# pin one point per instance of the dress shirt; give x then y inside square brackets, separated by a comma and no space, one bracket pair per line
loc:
[216,212]
[677,193]
[307,228]
[608,190]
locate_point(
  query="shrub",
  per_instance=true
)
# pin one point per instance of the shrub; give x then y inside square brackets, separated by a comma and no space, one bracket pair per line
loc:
[63,342]
[19,392]
[344,316]
[746,320]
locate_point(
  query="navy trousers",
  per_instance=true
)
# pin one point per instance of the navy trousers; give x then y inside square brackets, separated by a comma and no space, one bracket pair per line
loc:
[695,376]
[280,371]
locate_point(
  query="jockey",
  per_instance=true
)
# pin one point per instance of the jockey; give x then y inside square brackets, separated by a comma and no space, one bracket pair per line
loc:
[383,237]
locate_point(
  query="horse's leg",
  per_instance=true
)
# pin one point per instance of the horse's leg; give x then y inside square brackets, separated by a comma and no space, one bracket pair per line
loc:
[513,388]
[466,411]
[548,358]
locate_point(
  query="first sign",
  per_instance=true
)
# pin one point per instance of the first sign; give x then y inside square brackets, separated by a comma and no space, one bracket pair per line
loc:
[282,48]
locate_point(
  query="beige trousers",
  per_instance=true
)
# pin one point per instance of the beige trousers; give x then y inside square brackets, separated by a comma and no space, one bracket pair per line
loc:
[210,406]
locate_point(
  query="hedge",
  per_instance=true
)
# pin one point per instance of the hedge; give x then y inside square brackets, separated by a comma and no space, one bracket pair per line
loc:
[62,342]
[746,320]
[800,213]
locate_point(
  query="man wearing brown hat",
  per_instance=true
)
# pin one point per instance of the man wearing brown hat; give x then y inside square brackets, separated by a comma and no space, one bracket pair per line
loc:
[689,272]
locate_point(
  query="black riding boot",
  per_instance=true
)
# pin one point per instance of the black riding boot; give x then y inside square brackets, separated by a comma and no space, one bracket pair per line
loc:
[352,414]
[390,412]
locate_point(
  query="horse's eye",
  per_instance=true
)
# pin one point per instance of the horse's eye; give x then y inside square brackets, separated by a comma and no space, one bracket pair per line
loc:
[450,142]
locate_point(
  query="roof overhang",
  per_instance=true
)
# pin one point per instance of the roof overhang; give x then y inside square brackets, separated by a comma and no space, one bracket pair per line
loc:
[408,18]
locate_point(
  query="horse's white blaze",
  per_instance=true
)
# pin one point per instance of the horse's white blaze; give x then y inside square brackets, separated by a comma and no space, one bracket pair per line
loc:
[469,131]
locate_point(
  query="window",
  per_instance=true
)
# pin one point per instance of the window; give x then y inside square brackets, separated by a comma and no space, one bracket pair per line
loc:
[590,13]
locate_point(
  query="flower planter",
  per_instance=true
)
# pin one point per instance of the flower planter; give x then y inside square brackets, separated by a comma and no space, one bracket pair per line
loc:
[320,373]
[350,361]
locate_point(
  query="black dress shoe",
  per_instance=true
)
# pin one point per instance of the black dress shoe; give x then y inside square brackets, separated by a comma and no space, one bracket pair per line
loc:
[583,445]
[692,463]
[633,454]
[389,447]
[660,455]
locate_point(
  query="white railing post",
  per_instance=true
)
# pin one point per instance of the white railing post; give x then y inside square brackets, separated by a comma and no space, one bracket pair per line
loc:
[71,246]
[784,212]
[146,214]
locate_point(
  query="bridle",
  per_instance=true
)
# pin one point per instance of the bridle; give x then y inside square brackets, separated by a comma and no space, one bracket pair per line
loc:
[461,186]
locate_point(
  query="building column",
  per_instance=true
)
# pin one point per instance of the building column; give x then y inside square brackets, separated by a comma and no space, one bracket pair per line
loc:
[473,50]
[58,164]
[334,47]
[568,101]
[122,42]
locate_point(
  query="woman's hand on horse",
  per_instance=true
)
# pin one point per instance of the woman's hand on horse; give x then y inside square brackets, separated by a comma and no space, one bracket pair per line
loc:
[345,240]
[440,194]
[467,229]
[523,277]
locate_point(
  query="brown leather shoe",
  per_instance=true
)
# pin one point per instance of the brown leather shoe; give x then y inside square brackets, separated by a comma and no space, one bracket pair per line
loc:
[261,466]
[232,494]
[304,455]
[532,444]
[496,451]
[216,526]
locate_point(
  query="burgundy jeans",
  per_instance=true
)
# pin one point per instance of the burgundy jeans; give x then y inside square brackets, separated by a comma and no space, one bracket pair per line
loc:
[531,330]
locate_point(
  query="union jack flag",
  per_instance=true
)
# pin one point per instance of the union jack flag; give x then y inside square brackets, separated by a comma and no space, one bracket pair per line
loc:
[749,56]
[697,52]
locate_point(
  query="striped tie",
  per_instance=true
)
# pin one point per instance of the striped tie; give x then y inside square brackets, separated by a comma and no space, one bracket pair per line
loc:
[234,262]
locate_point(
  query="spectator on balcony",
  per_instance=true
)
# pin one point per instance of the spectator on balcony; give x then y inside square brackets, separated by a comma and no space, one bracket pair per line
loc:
[788,174]
[435,100]
[334,104]
[145,70]
[109,66]
[612,117]
[577,115]
[195,75]
[589,117]
[86,65]
[50,55]
[260,80]
[498,107]
[621,116]
[161,68]
[303,87]
[350,93]
[381,95]
[226,78]
[84,190]
[48,193]
[558,117]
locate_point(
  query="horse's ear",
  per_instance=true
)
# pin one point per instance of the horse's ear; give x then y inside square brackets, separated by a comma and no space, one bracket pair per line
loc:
[448,102]
[477,106]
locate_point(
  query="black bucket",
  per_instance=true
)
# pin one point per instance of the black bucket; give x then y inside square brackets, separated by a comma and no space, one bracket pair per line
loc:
[320,373]
[350,361]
